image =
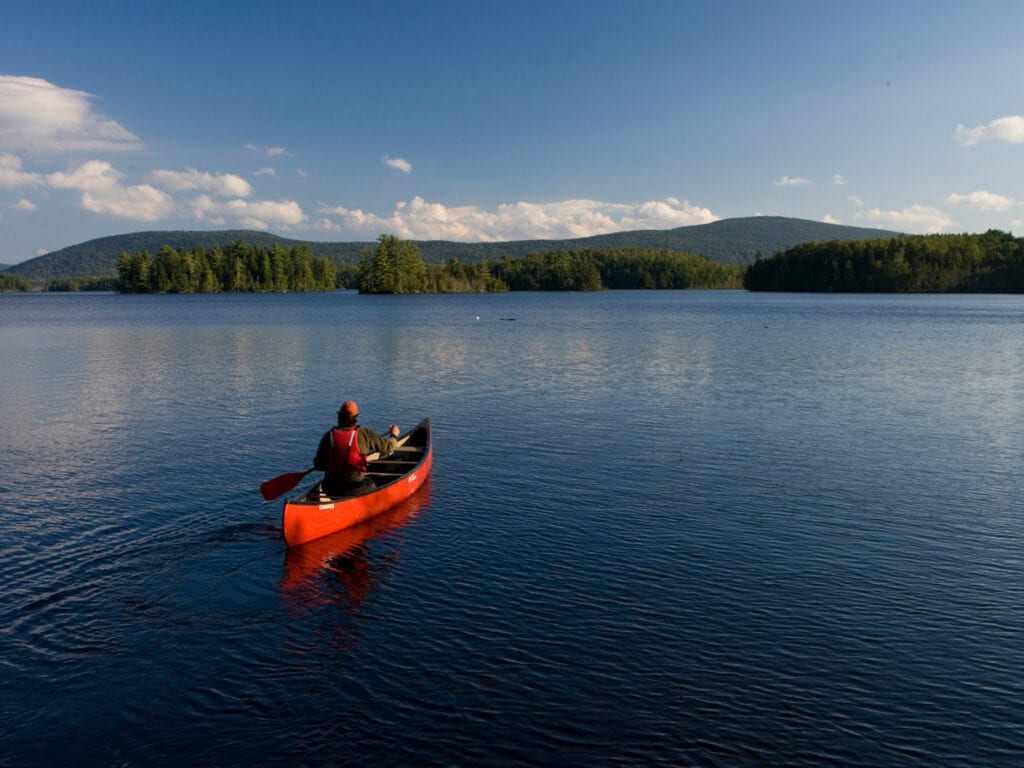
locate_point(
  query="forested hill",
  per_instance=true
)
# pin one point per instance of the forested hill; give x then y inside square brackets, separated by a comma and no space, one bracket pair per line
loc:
[729,241]
[99,257]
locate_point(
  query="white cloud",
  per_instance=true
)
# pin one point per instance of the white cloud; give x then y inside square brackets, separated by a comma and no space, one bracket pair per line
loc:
[983,200]
[420,220]
[856,202]
[265,172]
[11,175]
[1009,129]
[139,202]
[916,218]
[839,180]
[302,174]
[224,185]
[830,219]
[252,214]
[268,151]
[397,163]
[102,192]
[263,214]
[326,225]
[786,181]
[25,205]
[38,116]
[90,175]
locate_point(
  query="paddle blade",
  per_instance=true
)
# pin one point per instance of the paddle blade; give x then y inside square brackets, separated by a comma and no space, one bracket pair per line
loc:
[273,488]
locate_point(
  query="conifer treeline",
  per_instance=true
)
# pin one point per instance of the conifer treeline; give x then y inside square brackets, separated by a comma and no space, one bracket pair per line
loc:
[615,268]
[395,266]
[103,283]
[81,284]
[238,267]
[992,262]
[13,283]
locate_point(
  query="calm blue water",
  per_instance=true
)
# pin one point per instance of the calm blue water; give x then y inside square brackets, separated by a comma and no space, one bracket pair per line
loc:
[672,528]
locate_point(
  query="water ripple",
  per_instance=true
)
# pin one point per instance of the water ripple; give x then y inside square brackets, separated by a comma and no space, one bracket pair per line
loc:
[761,530]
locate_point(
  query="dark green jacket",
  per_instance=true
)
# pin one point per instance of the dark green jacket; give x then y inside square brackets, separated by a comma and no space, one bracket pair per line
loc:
[369,442]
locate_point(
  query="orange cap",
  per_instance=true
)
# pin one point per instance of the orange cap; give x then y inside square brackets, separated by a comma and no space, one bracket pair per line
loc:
[348,408]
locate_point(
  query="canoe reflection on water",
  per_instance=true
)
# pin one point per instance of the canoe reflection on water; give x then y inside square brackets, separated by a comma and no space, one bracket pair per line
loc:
[340,567]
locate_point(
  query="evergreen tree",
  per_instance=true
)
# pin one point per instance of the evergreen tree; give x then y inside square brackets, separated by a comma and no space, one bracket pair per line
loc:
[395,266]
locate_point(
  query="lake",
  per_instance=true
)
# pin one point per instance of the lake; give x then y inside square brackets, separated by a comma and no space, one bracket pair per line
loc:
[662,528]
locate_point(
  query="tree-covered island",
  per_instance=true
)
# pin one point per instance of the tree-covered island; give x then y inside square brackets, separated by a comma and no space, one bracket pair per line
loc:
[992,262]
[396,266]
[235,267]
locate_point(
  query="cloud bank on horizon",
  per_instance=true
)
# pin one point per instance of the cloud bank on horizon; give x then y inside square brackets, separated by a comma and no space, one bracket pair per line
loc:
[54,141]
[420,220]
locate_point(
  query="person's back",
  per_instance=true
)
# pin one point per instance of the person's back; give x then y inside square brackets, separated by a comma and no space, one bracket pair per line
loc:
[341,454]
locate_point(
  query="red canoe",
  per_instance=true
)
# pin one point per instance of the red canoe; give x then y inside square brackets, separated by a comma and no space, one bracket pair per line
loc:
[398,476]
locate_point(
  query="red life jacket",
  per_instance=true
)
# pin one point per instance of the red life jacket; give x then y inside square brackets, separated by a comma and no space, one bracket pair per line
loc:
[344,455]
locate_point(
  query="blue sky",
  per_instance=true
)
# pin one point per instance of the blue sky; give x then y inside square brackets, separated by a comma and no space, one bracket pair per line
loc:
[485,120]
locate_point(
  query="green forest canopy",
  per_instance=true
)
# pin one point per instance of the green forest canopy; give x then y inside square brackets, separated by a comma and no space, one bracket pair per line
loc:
[11,283]
[395,266]
[992,262]
[730,241]
[238,266]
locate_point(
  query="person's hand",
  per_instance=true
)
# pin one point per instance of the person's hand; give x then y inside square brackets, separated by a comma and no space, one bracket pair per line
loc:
[394,430]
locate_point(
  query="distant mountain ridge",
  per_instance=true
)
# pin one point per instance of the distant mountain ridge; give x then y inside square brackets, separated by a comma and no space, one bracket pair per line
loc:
[729,241]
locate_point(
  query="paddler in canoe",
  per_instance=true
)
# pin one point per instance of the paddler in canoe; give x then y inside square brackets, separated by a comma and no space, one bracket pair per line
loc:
[341,455]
